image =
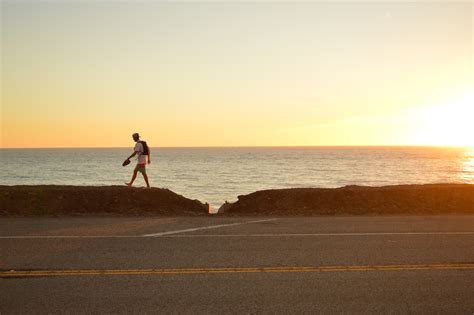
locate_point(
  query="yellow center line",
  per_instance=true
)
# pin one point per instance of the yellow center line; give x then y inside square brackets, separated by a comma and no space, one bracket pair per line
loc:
[184,271]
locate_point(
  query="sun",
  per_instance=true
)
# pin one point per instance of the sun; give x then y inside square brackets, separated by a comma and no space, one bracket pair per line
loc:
[448,124]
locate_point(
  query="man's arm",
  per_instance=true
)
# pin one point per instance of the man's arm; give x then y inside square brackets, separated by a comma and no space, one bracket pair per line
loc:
[134,153]
[149,156]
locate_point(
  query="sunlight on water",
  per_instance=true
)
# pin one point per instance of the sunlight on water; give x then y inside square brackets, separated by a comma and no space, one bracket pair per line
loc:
[467,173]
[217,174]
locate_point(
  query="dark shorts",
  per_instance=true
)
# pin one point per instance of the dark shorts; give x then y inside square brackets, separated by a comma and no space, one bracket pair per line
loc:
[140,168]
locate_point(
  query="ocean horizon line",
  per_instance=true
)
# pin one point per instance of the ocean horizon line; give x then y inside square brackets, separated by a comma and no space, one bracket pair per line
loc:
[252,147]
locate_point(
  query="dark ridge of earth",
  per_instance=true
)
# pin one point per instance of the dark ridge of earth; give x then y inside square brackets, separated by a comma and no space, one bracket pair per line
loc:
[357,200]
[52,200]
[55,200]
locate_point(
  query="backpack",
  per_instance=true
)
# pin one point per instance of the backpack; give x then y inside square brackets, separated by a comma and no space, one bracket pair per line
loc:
[146,150]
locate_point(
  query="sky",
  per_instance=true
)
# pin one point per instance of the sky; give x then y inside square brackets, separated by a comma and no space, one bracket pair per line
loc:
[90,73]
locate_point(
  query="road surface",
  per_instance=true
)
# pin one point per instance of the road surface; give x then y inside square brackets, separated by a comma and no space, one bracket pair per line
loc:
[371,264]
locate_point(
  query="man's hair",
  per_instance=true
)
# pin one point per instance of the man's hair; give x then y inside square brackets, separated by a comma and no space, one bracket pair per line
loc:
[136,135]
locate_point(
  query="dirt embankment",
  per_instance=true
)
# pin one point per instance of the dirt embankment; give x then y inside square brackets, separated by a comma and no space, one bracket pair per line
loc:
[358,200]
[96,200]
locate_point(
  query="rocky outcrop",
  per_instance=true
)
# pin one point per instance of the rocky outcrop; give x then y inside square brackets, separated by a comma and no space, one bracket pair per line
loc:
[95,200]
[358,200]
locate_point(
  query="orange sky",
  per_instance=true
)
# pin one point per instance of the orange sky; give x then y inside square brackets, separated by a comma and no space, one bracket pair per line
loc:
[89,74]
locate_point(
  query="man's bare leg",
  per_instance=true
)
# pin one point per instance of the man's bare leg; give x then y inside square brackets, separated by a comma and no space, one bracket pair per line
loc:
[145,176]
[132,180]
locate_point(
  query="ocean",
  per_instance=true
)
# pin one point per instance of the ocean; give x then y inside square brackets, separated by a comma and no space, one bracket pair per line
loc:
[214,175]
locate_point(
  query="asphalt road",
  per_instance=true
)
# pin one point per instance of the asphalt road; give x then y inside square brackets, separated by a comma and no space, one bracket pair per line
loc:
[373,264]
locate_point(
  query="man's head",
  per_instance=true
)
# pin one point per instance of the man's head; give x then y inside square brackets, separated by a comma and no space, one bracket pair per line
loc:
[136,136]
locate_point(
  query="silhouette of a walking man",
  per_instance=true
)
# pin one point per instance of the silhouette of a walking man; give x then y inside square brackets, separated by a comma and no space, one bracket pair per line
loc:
[142,151]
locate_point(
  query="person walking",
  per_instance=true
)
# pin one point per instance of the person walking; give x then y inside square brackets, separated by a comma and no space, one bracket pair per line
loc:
[142,152]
